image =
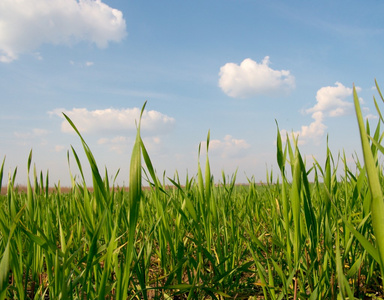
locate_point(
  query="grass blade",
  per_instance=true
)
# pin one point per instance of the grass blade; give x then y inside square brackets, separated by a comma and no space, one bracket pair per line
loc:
[377,204]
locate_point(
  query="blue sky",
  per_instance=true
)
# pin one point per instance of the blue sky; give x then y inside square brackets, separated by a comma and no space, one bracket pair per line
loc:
[231,67]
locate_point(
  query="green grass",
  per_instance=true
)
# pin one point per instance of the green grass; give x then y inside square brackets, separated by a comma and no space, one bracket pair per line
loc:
[286,239]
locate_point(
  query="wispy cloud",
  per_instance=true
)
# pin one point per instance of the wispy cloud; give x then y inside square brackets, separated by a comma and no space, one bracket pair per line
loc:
[25,25]
[251,79]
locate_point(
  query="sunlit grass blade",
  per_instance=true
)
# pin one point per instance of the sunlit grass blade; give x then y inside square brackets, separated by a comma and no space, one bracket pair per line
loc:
[97,180]
[78,163]
[377,204]
[134,196]
[295,197]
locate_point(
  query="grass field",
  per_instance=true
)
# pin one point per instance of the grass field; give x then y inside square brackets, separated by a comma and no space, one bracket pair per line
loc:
[286,239]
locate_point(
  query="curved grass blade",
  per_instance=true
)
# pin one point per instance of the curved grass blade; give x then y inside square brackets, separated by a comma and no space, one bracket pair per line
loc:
[377,204]
[97,180]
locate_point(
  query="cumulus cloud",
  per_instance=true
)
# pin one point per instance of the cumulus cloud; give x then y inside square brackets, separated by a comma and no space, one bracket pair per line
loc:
[316,128]
[251,79]
[330,102]
[114,121]
[228,147]
[25,24]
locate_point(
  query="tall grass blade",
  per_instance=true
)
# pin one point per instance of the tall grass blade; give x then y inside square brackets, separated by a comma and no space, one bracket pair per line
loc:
[377,204]
[134,196]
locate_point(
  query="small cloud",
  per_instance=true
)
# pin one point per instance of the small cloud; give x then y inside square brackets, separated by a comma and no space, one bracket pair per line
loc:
[116,121]
[59,148]
[82,64]
[102,141]
[228,147]
[330,102]
[38,56]
[252,79]
[156,140]
[7,56]
[25,25]
[118,144]
[34,133]
[371,117]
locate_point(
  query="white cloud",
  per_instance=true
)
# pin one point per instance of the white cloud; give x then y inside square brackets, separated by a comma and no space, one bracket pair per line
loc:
[251,79]
[229,147]
[371,117]
[25,24]
[89,63]
[316,129]
[112,120]
[330,102]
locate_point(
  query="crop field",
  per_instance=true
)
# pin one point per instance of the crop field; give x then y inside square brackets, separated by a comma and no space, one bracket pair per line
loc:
[196,239]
